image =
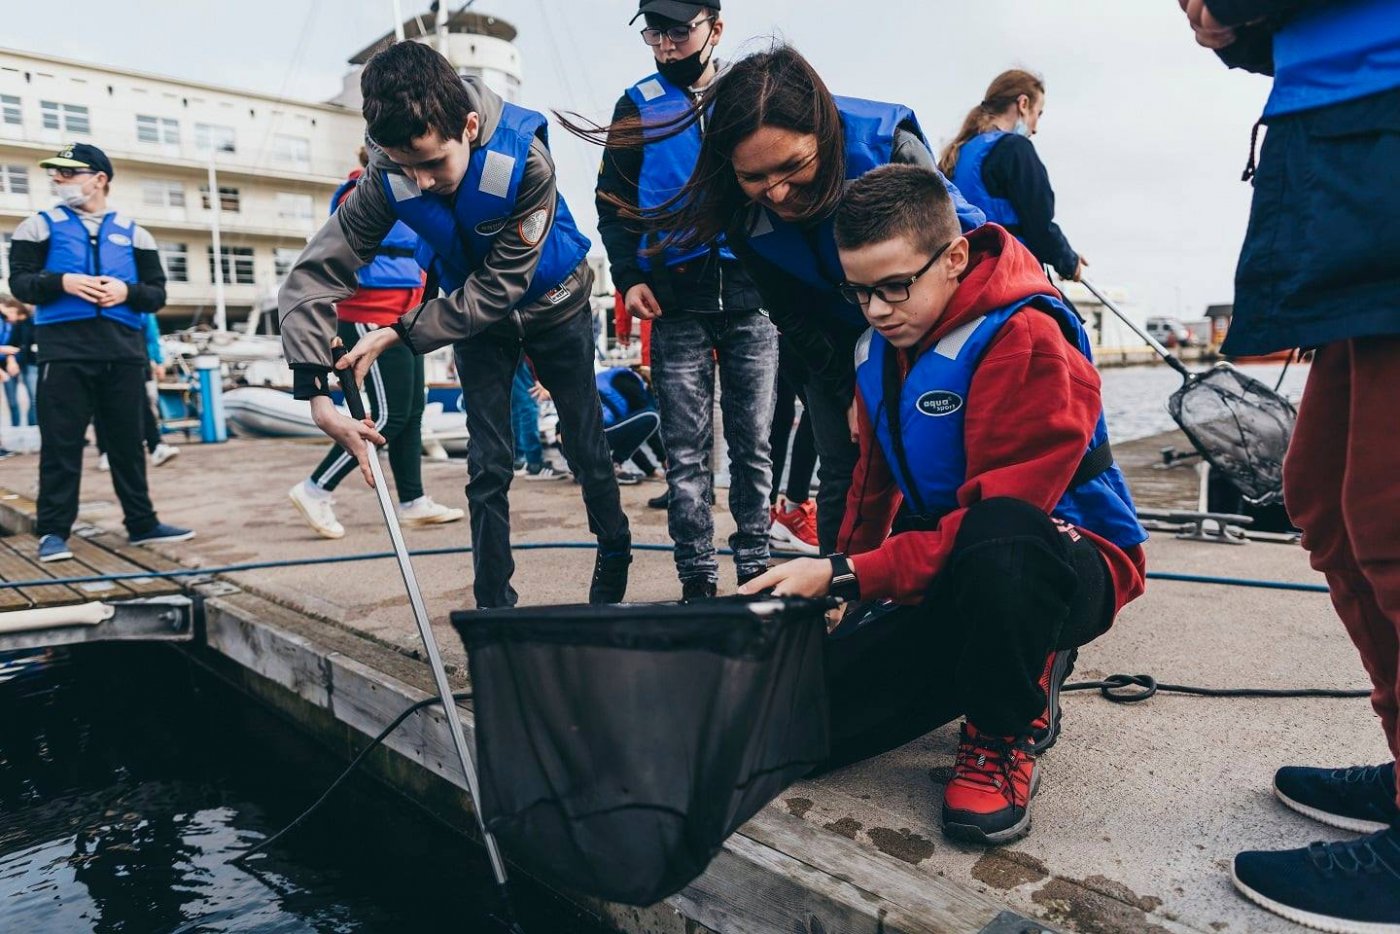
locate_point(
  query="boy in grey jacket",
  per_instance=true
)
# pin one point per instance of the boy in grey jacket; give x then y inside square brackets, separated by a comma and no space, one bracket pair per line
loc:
[472,175]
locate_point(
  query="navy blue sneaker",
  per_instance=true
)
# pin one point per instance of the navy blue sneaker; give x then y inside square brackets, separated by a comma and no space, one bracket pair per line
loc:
[162,533]
[1361,798]
[1348,888]
[53,548]
[610,568]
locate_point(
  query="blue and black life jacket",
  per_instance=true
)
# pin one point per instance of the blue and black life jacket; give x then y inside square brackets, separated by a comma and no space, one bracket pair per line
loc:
[1333,53]
[110,252]
[667,164]
[919,420]
[461,228]
[808,252]
[967,175]
[395,265]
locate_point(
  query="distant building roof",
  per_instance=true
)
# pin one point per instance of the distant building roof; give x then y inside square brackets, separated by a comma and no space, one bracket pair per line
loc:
[1220,311]
[464,21]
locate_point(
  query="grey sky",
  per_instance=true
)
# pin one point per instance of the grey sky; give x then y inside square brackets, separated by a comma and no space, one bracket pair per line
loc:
[1145,134]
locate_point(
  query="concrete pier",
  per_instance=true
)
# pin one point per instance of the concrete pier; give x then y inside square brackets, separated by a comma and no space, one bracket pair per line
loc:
[1140,809]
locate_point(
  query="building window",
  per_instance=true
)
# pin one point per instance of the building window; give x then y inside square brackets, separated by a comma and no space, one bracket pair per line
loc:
[241,258]
[14,180]
[282,261]
[69,118]
[228,198]
[175,257]
[9,110]
[293,150]
[210,137]
[292,206]
[161,193]
[5,255]
[157,129]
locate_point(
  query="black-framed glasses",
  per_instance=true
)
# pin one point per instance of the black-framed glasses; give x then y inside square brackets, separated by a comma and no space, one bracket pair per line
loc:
[67,173]
[679,35]
[891,293]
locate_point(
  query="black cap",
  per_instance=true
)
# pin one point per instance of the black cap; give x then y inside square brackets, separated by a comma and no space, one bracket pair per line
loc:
[80,156]
[682,11]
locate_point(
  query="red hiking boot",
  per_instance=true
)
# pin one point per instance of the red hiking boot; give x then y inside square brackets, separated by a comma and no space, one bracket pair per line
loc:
[1045,729]
[988,799]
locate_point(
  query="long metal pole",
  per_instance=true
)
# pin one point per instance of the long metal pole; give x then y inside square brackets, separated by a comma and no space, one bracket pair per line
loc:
[398,22]
[1152,342]
[425,630]
[215,206]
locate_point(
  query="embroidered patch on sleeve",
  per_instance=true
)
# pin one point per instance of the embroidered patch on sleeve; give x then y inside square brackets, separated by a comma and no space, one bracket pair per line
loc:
[532,227]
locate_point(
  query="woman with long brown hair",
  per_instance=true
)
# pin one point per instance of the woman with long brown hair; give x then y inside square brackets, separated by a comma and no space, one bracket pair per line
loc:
[777,152]
[995,166]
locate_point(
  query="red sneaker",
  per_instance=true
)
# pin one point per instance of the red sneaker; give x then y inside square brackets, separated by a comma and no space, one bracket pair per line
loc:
[988,799]
[1045,729]
[795,527]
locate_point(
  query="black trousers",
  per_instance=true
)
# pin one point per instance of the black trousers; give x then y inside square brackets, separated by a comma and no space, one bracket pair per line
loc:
[1017,586]
[563,361]
[73,394]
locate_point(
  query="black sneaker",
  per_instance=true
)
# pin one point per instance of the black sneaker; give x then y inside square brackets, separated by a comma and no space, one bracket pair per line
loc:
[660,501]
[161,533]
[697,588]
[610,576]
[1348,888]
[1045,729]
[750,575]
[6,452]
[1361,798]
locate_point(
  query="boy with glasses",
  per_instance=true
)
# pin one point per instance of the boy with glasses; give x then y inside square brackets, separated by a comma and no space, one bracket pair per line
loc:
[702,305]
[979,414]
[93,276]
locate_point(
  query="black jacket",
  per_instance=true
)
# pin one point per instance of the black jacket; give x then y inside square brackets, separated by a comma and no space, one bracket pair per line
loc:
[1013,170]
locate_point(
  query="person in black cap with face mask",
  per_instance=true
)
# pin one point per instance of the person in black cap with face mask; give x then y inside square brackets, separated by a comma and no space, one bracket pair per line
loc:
[92,275]
[703,305]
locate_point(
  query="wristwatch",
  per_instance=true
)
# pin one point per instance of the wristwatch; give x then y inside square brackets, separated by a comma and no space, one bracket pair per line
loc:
[843,578]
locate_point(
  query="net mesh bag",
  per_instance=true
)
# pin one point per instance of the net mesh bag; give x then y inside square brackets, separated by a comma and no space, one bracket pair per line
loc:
[618,746]
[1240,426]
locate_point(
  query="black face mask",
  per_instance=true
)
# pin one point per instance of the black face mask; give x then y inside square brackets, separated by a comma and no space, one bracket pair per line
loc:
[684,72]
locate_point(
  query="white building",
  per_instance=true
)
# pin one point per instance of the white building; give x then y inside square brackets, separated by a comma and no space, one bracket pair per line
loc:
[277,161]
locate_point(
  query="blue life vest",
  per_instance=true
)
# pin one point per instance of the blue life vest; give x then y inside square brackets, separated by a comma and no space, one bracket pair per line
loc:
[394,265]
[967,175]
[667,164]
[808,252]
[932,410]
[460,229]
[1336,52]
[71,249]
[615,404]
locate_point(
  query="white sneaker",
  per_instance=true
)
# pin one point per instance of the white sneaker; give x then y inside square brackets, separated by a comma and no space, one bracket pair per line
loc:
[423,511]
[547,472]
[318,512]
[102,463]
[163,453]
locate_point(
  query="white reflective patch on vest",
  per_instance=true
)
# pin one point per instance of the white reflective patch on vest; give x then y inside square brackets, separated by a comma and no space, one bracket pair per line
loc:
[122,221]
[56,215]
[403,187]
[496,174]
[762,223]
[119,239]
[532,227]
[651,89]
[863,347]
[952,343]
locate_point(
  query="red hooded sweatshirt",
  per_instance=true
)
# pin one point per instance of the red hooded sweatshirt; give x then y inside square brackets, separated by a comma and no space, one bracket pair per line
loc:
[1031,412]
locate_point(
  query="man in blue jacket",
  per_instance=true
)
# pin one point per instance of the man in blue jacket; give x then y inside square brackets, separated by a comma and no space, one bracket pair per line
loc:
[93,276]
[1320,268]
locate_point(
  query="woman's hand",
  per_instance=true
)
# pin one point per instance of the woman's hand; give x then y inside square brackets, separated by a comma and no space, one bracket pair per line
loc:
[804,577]
[640,302]
[350,434]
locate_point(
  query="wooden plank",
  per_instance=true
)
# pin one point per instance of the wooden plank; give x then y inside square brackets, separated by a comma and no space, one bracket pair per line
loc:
[16,512]
[25,545]
[102,561]
[22,566]
[141,557]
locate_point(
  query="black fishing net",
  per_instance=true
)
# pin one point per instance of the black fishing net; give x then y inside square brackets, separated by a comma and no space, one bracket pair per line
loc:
[618,746]
[1240,426]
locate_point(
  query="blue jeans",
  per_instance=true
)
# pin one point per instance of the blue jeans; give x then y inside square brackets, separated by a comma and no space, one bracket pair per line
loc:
[29,377]
[525,418]
[684,346]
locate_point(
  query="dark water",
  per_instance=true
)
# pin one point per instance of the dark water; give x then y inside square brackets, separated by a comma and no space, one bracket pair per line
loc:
[128,778]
